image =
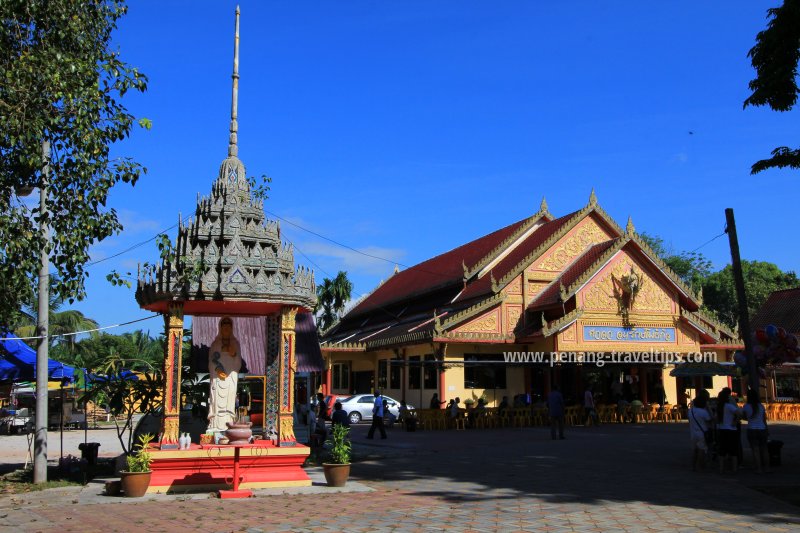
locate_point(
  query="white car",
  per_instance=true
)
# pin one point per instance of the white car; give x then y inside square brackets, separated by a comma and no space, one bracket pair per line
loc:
[359,407]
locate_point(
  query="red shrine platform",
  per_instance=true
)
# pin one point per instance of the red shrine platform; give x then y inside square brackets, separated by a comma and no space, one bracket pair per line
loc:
[206,467]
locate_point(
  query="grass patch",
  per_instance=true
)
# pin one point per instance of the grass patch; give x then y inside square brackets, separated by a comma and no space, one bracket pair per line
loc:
[71,473]
[790,494]
[21,481]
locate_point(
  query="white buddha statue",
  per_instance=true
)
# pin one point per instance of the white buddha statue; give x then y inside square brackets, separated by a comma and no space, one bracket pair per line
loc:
[224,365]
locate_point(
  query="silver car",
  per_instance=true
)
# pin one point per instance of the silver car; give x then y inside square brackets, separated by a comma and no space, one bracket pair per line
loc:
[359,407]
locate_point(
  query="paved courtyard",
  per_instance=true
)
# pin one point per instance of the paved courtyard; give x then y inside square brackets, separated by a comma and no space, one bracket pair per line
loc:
[615,477]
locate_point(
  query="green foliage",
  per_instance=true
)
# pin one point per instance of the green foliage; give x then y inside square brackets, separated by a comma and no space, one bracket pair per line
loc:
[332,296]
[719,293]
[184,272]
[139,461]
[775,57]
[341,447]
[760,279]
[61,82]
[691,267]
[59,322]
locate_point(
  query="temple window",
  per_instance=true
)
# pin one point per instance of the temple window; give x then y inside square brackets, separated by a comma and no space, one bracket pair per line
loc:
[340,378]
[414,372]
[481,371]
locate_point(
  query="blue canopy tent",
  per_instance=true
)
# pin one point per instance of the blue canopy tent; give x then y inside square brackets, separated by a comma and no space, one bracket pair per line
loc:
[23,357]
[8,372]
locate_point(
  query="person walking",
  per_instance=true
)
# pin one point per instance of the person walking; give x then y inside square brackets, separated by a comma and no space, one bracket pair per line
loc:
[377,417]
[555,408]
[727,414]
[756,417]
[435,402]
[590,412]
[700,421]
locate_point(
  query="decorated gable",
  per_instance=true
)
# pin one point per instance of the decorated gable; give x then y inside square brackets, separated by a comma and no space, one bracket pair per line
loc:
[623,286]
[489,322]
[585,234]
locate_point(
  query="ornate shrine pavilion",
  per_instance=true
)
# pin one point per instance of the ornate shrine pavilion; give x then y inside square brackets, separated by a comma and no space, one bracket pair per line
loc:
[230,261]
[578,285]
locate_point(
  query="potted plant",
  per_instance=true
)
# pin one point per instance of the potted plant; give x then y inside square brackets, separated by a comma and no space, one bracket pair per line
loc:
[136,478]
[337,470]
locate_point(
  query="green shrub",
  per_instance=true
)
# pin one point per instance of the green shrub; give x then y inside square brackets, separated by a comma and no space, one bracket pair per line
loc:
[340,451]
[139,461]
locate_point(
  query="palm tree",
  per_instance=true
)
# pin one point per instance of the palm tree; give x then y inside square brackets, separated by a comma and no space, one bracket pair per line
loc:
[59,323]
[332,296]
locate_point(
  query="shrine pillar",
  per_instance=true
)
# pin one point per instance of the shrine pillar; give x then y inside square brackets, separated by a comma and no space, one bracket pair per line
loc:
[286,372]
[173,332]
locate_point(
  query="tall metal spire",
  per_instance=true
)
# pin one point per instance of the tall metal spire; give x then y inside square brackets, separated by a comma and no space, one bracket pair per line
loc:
[233,149]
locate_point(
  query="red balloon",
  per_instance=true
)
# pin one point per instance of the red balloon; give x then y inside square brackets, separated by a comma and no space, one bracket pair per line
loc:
[781,333]
[761,336]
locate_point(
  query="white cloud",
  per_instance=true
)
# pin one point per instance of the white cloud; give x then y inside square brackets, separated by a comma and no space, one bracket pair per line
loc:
[367,260]
[134,223]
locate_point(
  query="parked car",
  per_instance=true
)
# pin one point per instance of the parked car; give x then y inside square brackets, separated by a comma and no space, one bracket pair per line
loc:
[359,407]
[331,399]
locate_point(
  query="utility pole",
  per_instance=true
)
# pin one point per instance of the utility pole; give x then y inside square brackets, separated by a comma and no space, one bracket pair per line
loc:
[42,326]
[744,317]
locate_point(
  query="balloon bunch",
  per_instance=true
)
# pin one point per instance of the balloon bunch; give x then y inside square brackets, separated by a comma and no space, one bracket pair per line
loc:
[771,346]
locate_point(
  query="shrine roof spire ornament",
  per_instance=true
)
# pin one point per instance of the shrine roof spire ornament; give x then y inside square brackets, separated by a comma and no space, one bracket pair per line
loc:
[229,256]
[592,198]
[233,148]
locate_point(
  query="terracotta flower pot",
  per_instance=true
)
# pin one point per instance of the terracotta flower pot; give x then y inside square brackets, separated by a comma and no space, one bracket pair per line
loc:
[336,474]
[134,484]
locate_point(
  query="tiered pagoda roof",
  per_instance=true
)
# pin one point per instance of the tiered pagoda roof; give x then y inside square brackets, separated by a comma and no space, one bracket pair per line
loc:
[229,259]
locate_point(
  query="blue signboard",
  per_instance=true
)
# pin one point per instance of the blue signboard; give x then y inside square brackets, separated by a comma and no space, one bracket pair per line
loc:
[618,334]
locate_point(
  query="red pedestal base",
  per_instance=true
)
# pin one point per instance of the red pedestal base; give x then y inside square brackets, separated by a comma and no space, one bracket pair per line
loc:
[211,467]
[241,493]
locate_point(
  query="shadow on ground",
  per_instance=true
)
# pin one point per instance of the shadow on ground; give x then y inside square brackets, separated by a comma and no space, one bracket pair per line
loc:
[596,466]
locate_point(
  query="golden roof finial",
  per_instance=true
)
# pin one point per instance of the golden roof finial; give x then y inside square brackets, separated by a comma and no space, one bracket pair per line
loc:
[592,198]
[629,228]
[543,206]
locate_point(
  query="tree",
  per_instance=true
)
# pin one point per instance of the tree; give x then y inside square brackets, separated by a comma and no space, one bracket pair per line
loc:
[775,57]
[61,82]
[60,322]
[691,267]
[760,280]
[332,296]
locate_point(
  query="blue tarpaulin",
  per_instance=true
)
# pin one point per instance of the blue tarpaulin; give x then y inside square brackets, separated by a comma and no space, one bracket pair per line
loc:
[8,372]
[21,356]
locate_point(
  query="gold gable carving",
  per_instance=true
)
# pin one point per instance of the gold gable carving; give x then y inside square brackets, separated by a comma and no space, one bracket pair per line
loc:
[488,323]
[535,287]
[651,298]
[569,334]
[513,312]
[515,286]
[585,235]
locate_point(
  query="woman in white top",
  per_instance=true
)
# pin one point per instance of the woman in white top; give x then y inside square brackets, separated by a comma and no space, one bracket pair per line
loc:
[699,425]
[727,414]
[756,417]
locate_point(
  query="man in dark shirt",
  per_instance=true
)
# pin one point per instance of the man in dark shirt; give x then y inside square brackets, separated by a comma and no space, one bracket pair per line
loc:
[555,407]
[339,416]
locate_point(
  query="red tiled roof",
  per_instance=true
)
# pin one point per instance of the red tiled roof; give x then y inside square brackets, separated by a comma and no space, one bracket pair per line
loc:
[782,309]
[552,293]
[533,241]
[442,270]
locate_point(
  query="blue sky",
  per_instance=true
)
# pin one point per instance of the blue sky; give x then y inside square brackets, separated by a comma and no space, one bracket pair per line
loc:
[404,129]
